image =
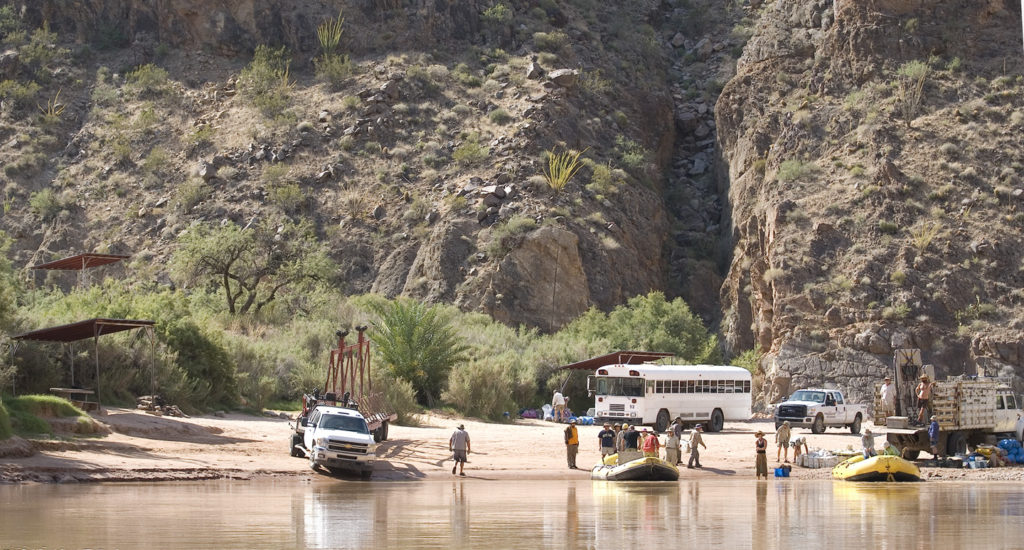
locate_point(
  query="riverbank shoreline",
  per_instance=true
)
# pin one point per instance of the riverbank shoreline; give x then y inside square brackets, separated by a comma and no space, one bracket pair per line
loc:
[146,448]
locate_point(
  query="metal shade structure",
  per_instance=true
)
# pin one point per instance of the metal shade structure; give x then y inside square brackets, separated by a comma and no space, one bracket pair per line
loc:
[80,263]
[617,358]
[92,328]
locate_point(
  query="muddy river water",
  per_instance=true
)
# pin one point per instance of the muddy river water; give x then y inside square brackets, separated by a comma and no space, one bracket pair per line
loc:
[324,513]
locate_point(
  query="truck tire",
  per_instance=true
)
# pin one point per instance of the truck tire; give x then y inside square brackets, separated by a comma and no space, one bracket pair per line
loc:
[855,427]
[956,443]
[818,426]
[376,434]
[717,421]
[909,454]
[661,424]
[312,464]
[384,431]
[296,443]
[366,474]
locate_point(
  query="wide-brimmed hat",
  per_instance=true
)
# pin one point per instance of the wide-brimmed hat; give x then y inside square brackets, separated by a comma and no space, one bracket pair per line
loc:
[607,424]
[934,417]
[462,427]
[888,378]
[572,421]
[617,425]
[699,427]
[759,433]
[924,377]
[785,422]
[867,431]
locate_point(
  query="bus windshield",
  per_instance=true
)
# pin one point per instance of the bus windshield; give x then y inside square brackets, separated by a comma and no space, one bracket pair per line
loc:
[613,385]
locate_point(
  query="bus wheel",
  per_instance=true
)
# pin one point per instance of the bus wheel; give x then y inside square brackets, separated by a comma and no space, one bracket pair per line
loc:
[717,421]
[661,424]
[957,444]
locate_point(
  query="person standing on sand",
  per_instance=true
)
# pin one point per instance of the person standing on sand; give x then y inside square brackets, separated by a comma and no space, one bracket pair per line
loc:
[606,440]
[572,443]
[933,436]
[459,445]
[558,402]
[672,447]
[695,441]
[651,445]
[618,436]
[782,441]
[761,460]
[887,398]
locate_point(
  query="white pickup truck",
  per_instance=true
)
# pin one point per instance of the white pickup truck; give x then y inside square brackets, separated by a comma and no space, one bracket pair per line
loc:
[339,439]
[818,409]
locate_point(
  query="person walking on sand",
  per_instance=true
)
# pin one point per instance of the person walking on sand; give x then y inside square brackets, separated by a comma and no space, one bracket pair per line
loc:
[782,441]
[651,444]
[695,441]
[672,447]
[924,395]
[606,440]
[761,460]
[572,443]
[887,398]
[459,445]
[558,402]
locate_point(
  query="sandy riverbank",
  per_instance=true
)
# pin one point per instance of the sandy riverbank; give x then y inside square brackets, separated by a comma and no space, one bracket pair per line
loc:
[148,448]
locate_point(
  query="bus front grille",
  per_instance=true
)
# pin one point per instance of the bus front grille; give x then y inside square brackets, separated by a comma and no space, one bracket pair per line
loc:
[621,407]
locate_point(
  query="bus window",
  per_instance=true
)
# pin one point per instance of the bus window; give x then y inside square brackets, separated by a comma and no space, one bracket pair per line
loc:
[746,386]
[739,386]
[714,386]
[999,402]
[1009,402]
[675,386]
[689,387]
[705,386]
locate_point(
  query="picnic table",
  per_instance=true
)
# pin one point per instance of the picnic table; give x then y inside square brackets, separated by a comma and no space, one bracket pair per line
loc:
[79,397]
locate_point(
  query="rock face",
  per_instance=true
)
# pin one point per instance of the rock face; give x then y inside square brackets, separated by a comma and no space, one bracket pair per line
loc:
[238,26]
[542,282]
[830,271]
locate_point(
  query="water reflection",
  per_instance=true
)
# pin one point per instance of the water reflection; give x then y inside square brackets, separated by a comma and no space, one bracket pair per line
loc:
[513,514]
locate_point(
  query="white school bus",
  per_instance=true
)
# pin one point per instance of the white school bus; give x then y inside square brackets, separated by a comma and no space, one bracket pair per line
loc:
[654,395]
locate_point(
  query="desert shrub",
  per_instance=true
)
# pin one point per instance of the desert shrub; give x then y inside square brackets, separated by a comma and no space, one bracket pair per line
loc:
[148,80]
[500,116]
[202,136]
[481,389]
[507,235]
[470,152]
[651,323]
[334,70]
[465,76]
[895,312]
[605,181]
[550,41]
[561,167]
[750,360]
[792,170]
[20,95]
[634,157]
[46,204]
[910,88]
[9,21]
[155,161]
[888,227]
[191,193]
[265,81]
[401,395]
[287,196]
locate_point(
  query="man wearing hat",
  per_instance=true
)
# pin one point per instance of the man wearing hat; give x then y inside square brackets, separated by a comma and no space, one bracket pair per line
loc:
[695,440]
[459,445]
[619,430]
[606,440]
[572,443]
[887,400]
[924,395]
[868,441]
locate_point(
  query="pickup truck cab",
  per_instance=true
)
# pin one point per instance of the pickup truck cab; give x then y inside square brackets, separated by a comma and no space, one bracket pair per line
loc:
[820,408]
[339,439]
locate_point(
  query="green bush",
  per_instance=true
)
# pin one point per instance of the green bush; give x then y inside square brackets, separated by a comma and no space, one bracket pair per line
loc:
[634,157]
[508,235]
[792,170]
[500,116]
[550,41]
[5,420]
[45,204]
[22,96]
[334,70]
[470,152]
[44,405]
[401,395]
[265,81]
[148,80]
[481,389]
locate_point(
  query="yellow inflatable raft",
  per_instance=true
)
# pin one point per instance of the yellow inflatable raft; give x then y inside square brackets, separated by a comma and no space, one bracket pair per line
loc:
[876,468]
[639,469]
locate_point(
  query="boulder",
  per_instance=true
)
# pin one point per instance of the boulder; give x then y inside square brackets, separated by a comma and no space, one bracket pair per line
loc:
[534,71]
[566,78]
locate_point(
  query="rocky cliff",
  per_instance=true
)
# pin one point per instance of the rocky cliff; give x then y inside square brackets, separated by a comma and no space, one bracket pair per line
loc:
[874,183]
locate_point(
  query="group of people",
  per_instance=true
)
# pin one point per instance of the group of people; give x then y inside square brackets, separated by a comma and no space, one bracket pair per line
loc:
[622,438]
[923,393]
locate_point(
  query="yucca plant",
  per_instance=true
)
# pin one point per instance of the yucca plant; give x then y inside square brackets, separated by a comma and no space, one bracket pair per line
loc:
[329,35]
[561,168]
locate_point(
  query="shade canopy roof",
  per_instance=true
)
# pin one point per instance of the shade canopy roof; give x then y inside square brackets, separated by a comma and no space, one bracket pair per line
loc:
[82,261]
[618,358]
[82,330]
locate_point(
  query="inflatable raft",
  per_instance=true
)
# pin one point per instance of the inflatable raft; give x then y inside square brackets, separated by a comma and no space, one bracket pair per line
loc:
[876,468]
[639,469]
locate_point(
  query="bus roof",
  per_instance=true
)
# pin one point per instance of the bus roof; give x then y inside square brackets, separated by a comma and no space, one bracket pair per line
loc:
[718,370]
